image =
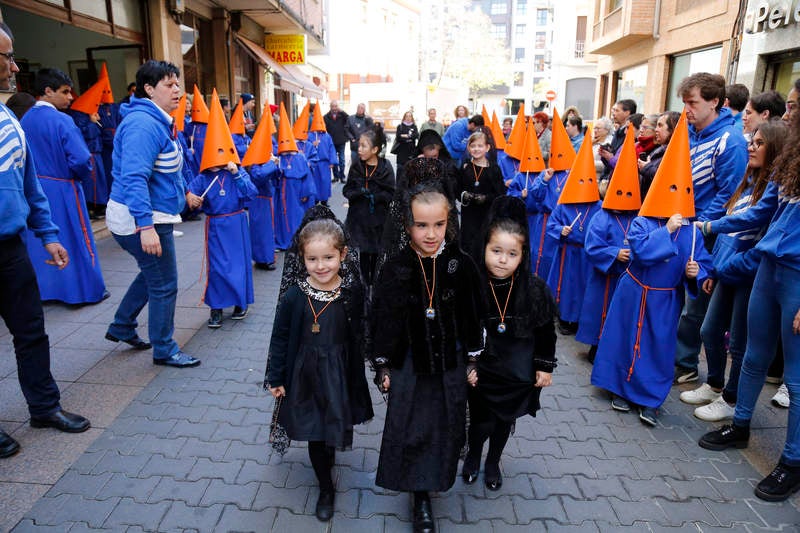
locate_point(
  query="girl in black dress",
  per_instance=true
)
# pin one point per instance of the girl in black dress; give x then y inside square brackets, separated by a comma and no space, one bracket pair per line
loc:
[426,341]
[520,340]
[315,363]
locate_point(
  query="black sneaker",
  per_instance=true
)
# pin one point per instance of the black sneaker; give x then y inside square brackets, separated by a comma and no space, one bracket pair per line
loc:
[685,375]
[728,436]
[648,416]
[324,509]
[215,320]
[239,313]
[618,403]
[780,484]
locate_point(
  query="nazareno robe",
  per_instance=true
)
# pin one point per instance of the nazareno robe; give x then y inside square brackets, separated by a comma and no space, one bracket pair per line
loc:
[228,254]
[326,156]
[294,184]
[369,199]
[96,188]
[543,247]
[241,142]
[310,151]
[62,163]
[262,212]
[606,235]
[569,271]
[524,181]
[636,354]
[109,120]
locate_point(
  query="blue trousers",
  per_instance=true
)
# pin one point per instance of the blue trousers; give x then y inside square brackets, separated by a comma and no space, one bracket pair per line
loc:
[338,170]
[156,283]
[774,302]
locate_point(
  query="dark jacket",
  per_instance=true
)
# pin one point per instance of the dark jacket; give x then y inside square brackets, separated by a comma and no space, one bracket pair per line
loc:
[648,172]
[337,128]
[355,127]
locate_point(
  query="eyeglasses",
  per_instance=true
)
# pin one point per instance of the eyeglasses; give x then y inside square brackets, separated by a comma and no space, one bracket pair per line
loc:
[756,143]
[9,56]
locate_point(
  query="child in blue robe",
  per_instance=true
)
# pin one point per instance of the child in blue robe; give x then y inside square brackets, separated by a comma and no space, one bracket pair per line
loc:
[291,195]
[546,189]
[262,214]
[326,160]
[96,188]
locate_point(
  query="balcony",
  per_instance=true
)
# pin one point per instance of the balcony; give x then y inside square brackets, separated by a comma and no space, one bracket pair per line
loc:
[625,26]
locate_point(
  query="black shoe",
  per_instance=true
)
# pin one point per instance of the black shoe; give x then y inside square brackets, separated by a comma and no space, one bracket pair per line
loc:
[325,505]
[469,472]
[648,416]
[728,436]
[592,353]
[62,421]
[618,403]
[780,484]
[8,446]
[106,295]
[238,313]
[423,514]
[136,342]
[265,266]
[567,328]
[685,375]
[492,476]
[215,320]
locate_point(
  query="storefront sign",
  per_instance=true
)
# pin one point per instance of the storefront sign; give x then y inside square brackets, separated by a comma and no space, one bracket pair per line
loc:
[286,49]
[772,15]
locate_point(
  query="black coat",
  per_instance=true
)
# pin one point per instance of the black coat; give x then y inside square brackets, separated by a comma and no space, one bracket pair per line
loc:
[406,146]
[475,212]
[648,172]
[369,202]
[337,128]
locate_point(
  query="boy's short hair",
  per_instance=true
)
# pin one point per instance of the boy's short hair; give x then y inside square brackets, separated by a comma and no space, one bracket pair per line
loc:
[50,78]
[710,86]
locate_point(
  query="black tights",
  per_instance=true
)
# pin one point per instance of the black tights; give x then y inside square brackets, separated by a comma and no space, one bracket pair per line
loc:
[368,264]
[322,458]
[497,431]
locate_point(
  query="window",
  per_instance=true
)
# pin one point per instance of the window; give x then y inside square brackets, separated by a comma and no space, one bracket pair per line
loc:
[538,63]
[519,79]
[541,17]
[682,65]
[522,7]
[541,39]
[519,30]
[519,55]
[632,83]
[499,7]
[580,37]
[499,31]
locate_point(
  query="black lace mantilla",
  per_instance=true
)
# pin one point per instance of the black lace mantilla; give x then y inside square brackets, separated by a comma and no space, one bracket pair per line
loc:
[319,294]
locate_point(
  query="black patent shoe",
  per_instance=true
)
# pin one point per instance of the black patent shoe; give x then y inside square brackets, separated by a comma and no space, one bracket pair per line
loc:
[780,484]
[423,514]
[492,476]
[135,342]
[469,472]
[8,446]
[324,509]
[62,421]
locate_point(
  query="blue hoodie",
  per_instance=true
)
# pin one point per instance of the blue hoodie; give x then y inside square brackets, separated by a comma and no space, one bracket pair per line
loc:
[735,257]
[781,242]
[147,163]
[719,159]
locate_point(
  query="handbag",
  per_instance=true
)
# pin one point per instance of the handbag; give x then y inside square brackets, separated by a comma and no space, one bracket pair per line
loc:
[278,437]
[395,146]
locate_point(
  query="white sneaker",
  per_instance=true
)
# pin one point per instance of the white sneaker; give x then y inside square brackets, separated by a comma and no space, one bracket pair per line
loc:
[177,233]
[781,398]
[701,395]
[717,410]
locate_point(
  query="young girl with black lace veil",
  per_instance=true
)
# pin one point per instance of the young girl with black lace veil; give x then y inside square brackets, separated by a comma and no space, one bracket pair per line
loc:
[315,364]
[519,356]
[425,325]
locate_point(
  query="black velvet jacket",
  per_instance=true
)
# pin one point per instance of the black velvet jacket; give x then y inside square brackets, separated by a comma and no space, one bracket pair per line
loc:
[398,313]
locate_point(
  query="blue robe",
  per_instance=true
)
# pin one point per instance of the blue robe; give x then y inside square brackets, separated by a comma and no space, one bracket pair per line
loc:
[294,184]
[109,120]
[509,166]
[606,235]
[326,158]
[230,272]
[262,212]
[570,269]
[62,162]
[241,142]
[546,194]
[310,151]
[524,181]
[636,354]
[195,139]
[96,188]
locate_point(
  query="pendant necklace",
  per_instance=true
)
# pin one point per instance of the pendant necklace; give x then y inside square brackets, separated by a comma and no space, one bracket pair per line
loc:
[315,326]
[430,312]
[624,230]
[501,327]
[582,221]
[222,187]
[560,184]
[368,174]
[289,162]
[477,173]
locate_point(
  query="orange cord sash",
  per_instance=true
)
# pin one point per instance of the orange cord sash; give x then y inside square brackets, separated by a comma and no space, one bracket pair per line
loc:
[637,353]
[86,239]
[541,243]
[561,267]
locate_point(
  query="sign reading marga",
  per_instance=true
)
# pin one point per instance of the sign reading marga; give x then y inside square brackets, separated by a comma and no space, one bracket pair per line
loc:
[286,49]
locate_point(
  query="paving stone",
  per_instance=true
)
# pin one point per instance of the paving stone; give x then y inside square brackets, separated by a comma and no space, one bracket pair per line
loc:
[194,447]
[593,488]
[28,526]
[169,489]
[72,482]
[697,469]
[395,503]
[699,488]
[784,514]
[347,478]
[158,465]
[275,474]
[286,521]
[736,471]
[199,430]
[582,448]
[588,526]
[204,468]
[650,469]
[689,511]
[225,431]
[613,450]
[527,447]
[124,444]
[529,511]
[579,511]
[123,464]
[344,524]
[500,508]
[546,487]
[611,467]
[183,517]
[645,489]
[168,447]
[139,489]
[628,513]
[295,500]
[574,466]
[71,508]
[236,520]
[728,513]
[130,513]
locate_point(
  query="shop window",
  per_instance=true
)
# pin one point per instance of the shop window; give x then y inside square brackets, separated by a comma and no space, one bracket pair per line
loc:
[708,60]
[632,84]
[785,74]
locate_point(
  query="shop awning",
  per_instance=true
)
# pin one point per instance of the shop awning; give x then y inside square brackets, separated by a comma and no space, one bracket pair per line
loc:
[291,80]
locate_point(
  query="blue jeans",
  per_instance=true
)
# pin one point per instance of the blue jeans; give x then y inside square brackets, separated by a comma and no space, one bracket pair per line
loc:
[687,352]
[338,170]
[773,304]
[157,283]
[727,311]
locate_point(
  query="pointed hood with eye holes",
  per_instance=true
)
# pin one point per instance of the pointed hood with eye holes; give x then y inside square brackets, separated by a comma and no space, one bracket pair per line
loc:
[218,149]
[199,108]
[581,185]
[285,135]
[623,189]
[672,191]
[516,139]
[562,154]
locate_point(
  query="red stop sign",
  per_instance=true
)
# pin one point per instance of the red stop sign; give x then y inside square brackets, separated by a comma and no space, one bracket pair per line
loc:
[550,95]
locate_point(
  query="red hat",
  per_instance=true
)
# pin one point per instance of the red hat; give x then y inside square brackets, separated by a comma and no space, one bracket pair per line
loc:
[218,149]
[260,149]
[237,120]
[285,138]
[199,108]
[515,145]
[300,129]
[89,101]
[581,185]
[562,154]
[497,133]
[672,190]
[318,123]
[180,113]
[623,191]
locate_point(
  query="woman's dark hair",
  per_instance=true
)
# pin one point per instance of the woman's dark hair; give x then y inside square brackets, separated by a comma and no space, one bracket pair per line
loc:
[49,78]
[636,120]
[671,118]
[774,133]
[771,101]
[323,227]
[575,120]
[153,72]
[375,136]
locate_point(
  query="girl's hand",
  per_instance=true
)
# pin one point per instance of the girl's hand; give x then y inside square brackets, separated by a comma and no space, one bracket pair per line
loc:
[193,201]
[277,392]
[796,323]
[543,379]
[548,173]
[508,183]
[566,230]
[232,168]
[472,376]
[624,255]
[674,222]
[524,193]
[708,286]
[692,269]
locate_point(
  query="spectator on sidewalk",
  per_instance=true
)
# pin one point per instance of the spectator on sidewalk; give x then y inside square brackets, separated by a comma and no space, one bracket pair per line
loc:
[336,125]
[736,97]
[24,204]
[432,124]
[356,125]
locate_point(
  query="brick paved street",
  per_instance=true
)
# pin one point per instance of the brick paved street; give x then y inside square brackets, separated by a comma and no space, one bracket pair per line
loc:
[178,450]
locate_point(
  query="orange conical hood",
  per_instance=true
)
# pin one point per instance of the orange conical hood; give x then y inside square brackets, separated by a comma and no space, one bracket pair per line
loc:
[623,191]
[89,101]
[300,129]
[218,149]
[532,160]
[199,109]
[515,145]
[318,123]
[497,133]
[103,72]
[237,120]
[260,149]
[562,154]
[108,96]
[581,185]
[672,190]
[285,138]
[180,113]
[485,114]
